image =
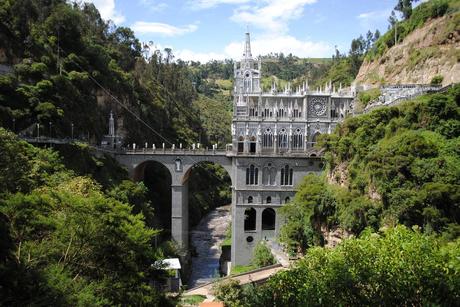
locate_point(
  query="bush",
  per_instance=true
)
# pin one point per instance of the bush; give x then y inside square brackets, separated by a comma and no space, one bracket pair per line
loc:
[437,80]
[229,292]
[262,255]
[399,267]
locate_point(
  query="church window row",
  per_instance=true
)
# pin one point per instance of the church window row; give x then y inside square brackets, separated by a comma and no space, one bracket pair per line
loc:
[268,200]
[269,175]
[268,140]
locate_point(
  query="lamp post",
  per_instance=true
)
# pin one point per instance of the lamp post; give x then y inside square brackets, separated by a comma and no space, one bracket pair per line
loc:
[38,130]
[71,125]
[50,129]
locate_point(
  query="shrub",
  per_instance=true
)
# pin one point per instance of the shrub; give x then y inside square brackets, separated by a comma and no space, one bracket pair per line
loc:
[262,255]
[437,80]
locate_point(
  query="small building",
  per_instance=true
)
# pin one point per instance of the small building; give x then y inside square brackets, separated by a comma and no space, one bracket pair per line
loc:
[172,266]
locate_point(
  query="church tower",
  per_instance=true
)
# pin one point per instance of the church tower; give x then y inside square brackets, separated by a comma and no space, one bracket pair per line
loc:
[247,78]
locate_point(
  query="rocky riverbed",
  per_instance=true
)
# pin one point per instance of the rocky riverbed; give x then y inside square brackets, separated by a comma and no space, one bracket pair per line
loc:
[206,238]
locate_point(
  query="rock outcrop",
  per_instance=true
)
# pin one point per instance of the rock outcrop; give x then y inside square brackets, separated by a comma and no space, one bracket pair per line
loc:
[429,51]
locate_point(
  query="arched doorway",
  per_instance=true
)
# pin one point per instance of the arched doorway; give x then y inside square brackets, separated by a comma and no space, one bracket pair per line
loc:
[250,219]
[268,223]
[268,219]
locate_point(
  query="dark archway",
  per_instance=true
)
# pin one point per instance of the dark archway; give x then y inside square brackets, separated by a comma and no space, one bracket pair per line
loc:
[250,219]
[209,187]
[268,219]
[252,145]
[157,178]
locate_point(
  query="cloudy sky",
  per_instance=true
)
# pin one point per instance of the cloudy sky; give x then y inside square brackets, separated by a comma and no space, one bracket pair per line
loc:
[201,30]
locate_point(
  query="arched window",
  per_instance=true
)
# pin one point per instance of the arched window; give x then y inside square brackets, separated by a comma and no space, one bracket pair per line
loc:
[296,112]
[250,200]
[268,219]
[283,139]
[286,175]
[252,175]
[297,140]
[282,111]
[249,219]
[269,200]
[267,140]
[241,144]
[287,200]
[252,144]
[269,175]
[178,163]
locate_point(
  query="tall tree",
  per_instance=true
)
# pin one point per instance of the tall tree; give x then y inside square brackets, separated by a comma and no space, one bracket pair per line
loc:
[405,7]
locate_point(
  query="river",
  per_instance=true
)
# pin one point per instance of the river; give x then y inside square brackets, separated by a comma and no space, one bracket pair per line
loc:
[207,237]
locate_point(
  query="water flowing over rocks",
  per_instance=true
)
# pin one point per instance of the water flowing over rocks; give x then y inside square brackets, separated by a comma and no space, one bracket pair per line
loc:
[206,238]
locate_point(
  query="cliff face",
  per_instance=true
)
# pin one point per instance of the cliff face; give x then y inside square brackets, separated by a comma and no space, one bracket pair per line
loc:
[431,50]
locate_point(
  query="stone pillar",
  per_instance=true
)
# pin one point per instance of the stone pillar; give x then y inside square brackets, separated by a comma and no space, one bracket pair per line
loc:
[179,215]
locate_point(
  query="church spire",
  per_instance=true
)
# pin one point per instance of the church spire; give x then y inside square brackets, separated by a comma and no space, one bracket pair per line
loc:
[247,47]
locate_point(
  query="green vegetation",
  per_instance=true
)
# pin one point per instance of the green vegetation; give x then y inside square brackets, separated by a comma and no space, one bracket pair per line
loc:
[397,267]
[240,269]
[414,19]
[228,236]
[365,97]
[437,80]
[192,299]
[398,165]
[262,256]
[393,166]
[67,241]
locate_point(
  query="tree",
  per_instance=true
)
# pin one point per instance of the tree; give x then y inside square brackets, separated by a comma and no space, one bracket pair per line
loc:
[405,7]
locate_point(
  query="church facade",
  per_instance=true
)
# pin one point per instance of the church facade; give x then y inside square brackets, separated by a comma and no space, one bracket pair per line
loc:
[273,134]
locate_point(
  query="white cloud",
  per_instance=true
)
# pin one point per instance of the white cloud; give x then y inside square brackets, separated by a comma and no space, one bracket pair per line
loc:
[203,57]
[206,4]
[369,20]
[153,5]
[273,16]
[281,43]
[143,27]
[107,10]
[262,46]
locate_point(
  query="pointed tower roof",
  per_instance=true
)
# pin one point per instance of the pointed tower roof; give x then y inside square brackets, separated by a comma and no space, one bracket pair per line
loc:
[247,47]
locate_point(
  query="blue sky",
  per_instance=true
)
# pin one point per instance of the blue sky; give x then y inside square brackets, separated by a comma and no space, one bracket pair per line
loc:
[201,30]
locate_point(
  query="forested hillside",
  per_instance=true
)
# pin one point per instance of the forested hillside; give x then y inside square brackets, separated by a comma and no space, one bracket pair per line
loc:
[66,240]
[423,45]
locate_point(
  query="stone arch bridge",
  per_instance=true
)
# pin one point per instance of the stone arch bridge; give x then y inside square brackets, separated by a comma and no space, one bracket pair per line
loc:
[179,164]
[260,184]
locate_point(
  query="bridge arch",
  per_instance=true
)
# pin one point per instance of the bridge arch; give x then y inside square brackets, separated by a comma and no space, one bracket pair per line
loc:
[179,163]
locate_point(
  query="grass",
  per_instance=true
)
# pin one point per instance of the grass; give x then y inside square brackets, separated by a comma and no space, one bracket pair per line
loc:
[239,269]
[192,299]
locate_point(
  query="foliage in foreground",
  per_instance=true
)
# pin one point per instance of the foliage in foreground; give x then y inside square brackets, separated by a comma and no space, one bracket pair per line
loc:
[64,241]
[399,267]
[262,256]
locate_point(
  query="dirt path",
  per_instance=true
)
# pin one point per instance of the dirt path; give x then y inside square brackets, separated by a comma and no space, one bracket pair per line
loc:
[206,238]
